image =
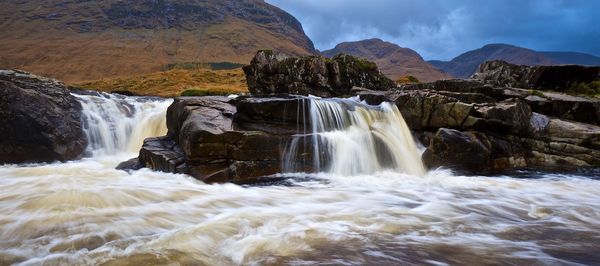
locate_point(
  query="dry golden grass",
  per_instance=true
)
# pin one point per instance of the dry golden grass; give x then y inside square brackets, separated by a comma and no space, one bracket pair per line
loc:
[171,83]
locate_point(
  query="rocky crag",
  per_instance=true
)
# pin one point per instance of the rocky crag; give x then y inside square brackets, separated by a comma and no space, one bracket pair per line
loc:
[40,121]
[272,73]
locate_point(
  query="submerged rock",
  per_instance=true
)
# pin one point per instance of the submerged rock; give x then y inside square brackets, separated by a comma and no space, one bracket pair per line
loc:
[270,73]
[40,121]
[131,164]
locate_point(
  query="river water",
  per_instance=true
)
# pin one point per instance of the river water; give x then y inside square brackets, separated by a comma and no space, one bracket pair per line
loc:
[87,213]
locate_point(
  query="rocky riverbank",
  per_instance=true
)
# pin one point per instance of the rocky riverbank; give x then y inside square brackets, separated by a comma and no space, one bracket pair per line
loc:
[479,125]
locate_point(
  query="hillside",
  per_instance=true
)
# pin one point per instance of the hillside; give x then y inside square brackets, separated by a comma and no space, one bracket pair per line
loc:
[393,60]
[573,58]
[173,82]
[89,40]
[465,64]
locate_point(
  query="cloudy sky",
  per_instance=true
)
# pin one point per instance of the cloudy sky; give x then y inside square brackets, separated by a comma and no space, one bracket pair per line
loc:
[442,29]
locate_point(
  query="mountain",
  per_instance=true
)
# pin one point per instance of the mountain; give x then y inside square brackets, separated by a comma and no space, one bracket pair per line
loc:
[573,58]
[465,64]
[77,40]
[393,60]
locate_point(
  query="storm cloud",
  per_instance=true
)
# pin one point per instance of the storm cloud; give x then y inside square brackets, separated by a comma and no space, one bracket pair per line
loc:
[442,29]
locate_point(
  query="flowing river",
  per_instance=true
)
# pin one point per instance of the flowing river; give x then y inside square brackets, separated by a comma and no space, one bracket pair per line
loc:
[386,211]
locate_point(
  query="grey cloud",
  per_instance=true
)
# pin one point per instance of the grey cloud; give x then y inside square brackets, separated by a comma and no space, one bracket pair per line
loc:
[442,29]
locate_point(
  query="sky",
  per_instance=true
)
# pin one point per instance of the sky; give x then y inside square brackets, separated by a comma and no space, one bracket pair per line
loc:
[443,29]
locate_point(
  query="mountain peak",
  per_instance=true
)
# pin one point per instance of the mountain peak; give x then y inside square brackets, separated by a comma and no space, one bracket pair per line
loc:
[465,64]
[88,40]
[393,60]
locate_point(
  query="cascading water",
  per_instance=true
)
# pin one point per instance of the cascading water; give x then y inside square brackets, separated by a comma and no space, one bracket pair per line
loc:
[114,123]
[348,137]
[88,213]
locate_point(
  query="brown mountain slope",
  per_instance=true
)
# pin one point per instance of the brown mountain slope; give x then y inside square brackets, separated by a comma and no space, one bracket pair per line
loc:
[89,40]
[465,64]
[173,82]
[393,60]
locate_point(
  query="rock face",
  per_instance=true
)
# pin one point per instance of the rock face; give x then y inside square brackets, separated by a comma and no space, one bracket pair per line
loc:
[556,78]
[479,128]
[40,121]
[217,139]
[270,73]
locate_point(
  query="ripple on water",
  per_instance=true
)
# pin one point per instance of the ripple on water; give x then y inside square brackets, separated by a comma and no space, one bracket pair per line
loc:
[84,212]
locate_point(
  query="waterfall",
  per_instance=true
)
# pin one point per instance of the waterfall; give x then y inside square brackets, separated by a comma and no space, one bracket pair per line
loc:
[348,137]
[115,123]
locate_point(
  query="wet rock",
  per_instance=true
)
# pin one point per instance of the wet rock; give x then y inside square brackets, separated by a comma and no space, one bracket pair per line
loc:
[576,108]
[511,115]
[162,154]
[270,73]
[272,115]
[457,150]
[491,136]
[131,164]
[209,142]
[40,121]
[555,144]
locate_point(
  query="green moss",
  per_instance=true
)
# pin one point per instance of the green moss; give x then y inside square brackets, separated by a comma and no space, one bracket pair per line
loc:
[407,80]
[413,79]
[588,89]
[537,93]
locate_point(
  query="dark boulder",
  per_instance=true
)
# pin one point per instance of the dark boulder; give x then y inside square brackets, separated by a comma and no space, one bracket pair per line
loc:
[270,73]
[457,150]
[555,78]
[209,142]
[131,164]
[162,154]
[510,116]
[40,121]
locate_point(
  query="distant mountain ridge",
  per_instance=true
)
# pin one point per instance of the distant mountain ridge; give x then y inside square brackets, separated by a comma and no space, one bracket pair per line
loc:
[573,58]
[87,40]
[393,61]
[465,64]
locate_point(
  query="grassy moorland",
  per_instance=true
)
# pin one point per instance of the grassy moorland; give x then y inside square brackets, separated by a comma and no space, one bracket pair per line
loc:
[171,83]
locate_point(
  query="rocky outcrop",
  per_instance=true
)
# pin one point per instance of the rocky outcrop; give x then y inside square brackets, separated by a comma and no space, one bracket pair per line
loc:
[270,73]
[555,78]
[218,139]
[40,121]
[480,128]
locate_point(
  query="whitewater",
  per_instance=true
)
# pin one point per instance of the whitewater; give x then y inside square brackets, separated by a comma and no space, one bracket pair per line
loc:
[384,210]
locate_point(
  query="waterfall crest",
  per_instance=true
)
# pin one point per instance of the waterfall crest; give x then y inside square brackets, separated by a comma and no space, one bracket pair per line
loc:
[114,123]
[347,137]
